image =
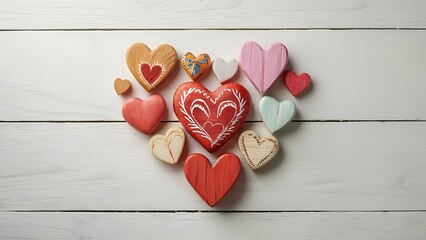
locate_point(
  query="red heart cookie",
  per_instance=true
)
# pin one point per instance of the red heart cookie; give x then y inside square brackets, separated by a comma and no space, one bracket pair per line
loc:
[296,84]
[212,118]
[144,115]
[212,183]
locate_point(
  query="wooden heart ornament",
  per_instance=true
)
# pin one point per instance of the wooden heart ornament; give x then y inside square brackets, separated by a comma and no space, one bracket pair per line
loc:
[224,70]
[212,183]
[276,115]
[263,67]
[151,68]
[257,151]
[121,86]
[296,84]
[195,66]
[212,118]
[168,148]
[144,115]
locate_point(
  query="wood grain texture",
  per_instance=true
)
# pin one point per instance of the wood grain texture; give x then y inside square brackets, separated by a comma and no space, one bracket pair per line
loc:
[104,14]
[250,226]
[168,147]
[276,115]
[121,86]
[346,166]
[211,118]
[100,57]
[212,183]
[257,151]
[150,68]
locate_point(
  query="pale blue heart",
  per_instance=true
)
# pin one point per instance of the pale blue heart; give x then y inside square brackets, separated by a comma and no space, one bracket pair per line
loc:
[276,115]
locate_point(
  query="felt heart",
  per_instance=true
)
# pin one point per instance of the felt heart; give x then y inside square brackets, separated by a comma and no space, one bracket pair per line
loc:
[296,83]
[263,67]
[212,118]
[195,66]
[276,115]
[212,183]
[121,86]
[168,147]
[144,115]
[224,70]
[151,68]
[257,151]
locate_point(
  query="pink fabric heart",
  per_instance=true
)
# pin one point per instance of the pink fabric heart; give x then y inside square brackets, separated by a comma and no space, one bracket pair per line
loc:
[263,67]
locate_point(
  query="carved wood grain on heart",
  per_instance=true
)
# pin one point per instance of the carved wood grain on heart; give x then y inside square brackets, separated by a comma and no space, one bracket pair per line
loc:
[144,115]
[211,118]
[257,151]
[168,147]
[150,68]
[212,183]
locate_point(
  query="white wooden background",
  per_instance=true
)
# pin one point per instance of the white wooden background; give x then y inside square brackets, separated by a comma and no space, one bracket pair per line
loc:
[352,165]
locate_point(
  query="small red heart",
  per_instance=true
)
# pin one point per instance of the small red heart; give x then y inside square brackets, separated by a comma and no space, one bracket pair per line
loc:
[212,118]
[212,183]
[296,83]
[151,74]
[144,115]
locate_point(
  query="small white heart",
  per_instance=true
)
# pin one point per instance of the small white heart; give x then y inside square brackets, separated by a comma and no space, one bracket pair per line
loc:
[276,115]
[224,70]
[168,147]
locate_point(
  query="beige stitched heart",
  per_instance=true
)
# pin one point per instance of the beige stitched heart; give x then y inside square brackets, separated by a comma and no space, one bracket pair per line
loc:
[257,151]
[151,68]
[168,147]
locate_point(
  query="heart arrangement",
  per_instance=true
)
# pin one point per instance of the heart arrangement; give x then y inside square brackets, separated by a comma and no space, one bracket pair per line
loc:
[211,118]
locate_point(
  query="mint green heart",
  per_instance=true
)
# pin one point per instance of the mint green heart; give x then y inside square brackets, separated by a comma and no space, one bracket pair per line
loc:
[276,115]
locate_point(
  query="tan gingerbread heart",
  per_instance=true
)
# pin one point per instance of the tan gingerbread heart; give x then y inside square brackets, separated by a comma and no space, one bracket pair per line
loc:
[257,151]
[168,147]
[151,68]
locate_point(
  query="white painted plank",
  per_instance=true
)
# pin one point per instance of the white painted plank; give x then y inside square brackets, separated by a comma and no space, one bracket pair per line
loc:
[356,74]
[320,166]
[103,14]
[295,226]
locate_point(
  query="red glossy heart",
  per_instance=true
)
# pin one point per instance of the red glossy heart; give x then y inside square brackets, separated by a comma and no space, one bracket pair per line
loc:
[212,118]
[212,183]
[296,84]
[144,115]
[151,74]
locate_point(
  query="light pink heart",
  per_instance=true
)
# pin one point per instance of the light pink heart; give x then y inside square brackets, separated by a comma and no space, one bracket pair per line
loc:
[263,67]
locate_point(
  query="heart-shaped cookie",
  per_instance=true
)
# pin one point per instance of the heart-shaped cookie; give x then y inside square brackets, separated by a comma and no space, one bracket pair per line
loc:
[151,68]
[168,147]
[276,115]
[121,86]
[257,151]
[144,115]
[195,66]
[212,183]
[263,67]
[224,70]
[212,118]
[296,83]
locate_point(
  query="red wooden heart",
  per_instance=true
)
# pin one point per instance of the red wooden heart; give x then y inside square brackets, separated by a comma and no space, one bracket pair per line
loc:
[212,118]
[144,115]
[296,84]
[151,74]
[212,183]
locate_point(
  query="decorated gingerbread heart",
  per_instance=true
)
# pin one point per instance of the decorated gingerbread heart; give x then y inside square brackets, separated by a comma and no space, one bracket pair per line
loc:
[150,68]
[276,115]
[212,183]
[212,118]
[195,66]
[257,151]
[296,84]
[263,67]
[144,115]
[168,147]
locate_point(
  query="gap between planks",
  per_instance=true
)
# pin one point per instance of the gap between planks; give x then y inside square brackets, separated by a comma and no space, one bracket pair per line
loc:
[208,211]
[250,121]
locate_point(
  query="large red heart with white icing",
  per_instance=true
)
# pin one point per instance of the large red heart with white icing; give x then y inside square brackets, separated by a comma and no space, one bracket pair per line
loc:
[212,118]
